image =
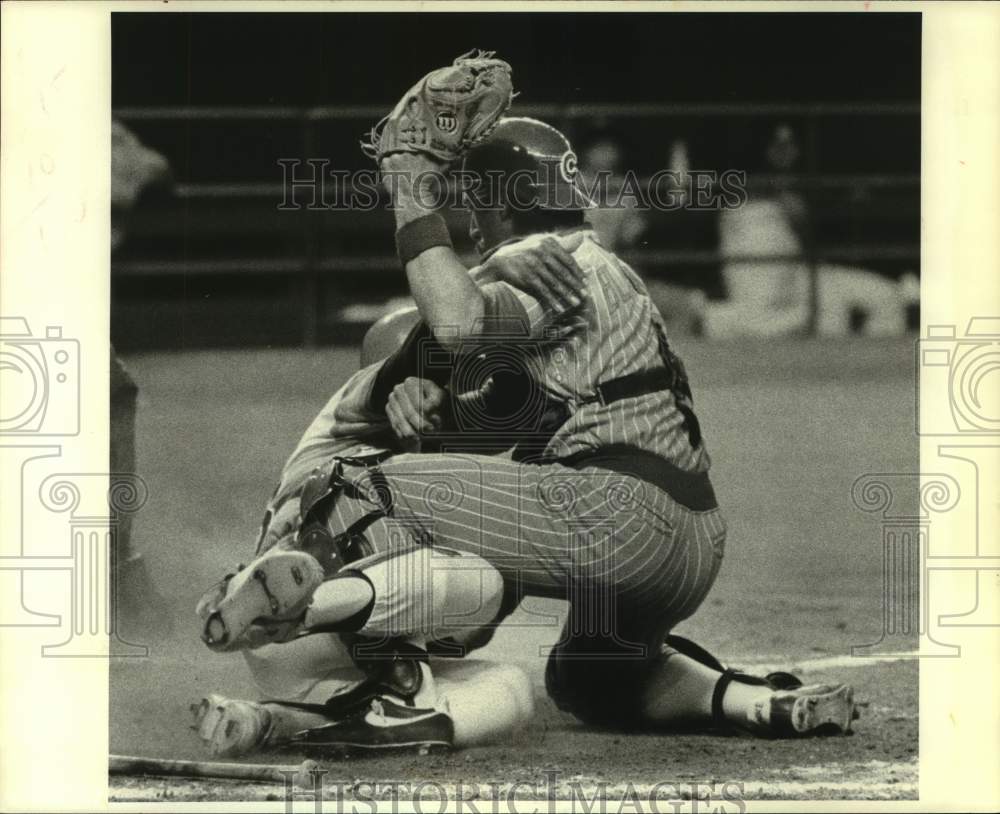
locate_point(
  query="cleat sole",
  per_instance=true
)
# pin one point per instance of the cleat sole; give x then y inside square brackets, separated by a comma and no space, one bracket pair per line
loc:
[420,748]
[278,588]
[830,712]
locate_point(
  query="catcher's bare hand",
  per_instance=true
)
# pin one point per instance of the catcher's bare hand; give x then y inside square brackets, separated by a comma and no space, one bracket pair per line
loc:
[547,271]
[415,408]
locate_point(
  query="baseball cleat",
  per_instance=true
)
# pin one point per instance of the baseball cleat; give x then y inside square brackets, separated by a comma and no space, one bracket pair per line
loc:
[817,709]
[388,724]
[229,727]
[263,601]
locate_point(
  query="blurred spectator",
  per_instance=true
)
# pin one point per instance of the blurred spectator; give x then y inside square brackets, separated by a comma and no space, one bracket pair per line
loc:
[618,222]
[679,164]
[135,169]
[621,225]
[765,245]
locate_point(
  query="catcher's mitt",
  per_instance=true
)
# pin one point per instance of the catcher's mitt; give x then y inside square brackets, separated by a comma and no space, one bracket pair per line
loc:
[447,111]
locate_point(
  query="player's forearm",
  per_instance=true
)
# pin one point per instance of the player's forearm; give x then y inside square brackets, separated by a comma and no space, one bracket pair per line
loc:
[448,299]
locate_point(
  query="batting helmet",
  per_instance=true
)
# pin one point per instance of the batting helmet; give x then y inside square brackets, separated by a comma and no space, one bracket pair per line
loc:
[537,158]
[387,335]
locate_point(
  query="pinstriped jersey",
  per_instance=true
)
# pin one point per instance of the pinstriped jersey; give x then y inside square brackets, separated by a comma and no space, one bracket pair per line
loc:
[616,332]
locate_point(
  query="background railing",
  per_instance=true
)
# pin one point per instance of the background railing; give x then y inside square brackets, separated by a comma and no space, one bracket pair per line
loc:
[221,254]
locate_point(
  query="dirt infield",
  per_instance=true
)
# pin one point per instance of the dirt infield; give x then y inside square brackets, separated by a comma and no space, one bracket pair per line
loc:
[791,425]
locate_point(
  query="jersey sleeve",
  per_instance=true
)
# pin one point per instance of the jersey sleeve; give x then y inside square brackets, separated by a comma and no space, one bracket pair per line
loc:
[352,411]
[509,310]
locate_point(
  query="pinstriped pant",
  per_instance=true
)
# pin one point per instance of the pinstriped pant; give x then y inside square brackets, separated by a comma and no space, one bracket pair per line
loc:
[631,561]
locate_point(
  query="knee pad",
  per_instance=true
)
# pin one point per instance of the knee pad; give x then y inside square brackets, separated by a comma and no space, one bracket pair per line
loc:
[598,675]
[599,692]
[587,678]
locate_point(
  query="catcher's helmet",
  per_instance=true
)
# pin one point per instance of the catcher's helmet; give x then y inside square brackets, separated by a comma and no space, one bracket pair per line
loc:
[537,157]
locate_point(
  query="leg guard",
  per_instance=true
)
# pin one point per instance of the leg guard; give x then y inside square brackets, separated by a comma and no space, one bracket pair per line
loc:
[334,548]
[431,592]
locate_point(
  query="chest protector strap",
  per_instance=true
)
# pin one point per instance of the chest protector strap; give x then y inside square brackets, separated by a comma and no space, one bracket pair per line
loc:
[323,486]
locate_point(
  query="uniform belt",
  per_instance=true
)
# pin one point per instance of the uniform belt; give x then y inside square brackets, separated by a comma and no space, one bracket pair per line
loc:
[693,490]
[632,385]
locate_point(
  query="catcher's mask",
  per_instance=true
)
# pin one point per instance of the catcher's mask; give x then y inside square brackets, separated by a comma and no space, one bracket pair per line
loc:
[534,163]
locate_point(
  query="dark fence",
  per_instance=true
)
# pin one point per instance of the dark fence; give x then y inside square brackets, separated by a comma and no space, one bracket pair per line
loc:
[220,262]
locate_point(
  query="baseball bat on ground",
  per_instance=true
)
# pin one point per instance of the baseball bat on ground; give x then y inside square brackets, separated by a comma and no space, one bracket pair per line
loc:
[300,776]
